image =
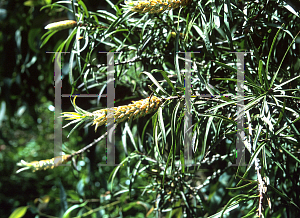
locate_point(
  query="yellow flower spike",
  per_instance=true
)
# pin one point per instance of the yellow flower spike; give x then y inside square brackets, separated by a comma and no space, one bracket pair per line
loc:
[126,112]
[44,164]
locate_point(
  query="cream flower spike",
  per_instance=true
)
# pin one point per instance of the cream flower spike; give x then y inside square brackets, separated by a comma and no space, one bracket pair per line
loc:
[44,164]
[61,25]
[154,6]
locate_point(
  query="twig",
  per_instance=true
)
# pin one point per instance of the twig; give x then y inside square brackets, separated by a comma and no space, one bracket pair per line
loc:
[90,145]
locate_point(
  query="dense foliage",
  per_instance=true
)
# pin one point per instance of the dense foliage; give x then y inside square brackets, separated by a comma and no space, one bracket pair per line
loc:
[151,44]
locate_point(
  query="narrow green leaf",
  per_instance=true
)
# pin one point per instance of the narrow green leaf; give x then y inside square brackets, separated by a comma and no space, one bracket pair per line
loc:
[176,55]
[207,130]
[167,164]
[68,212]
[144,129]
[204,35]
[75,127]
[254,156]
[275,75]
[58,4]
[249,106]
[164,74]
[233,200]
[73,195]
[69,39]
[229,208]
[50,34]
[219,116]
[157,150]
[251,213]
[260,72]
[243,186]
[284,196]
[84,8]
[161,125]
[287,126]
[174,122]
[282,84]
[281,113]
[155,82]
[225,66]
[182,161]
[256,52]
[112,5]
[113,174]
[267,87]
[289,153]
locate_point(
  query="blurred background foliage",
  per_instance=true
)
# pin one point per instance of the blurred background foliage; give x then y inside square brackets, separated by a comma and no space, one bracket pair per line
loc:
[149,183]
